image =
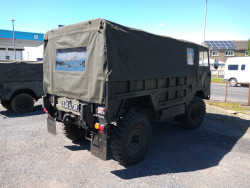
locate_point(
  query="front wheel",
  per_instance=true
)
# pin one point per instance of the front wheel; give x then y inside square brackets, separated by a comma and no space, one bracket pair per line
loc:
[131,138]
[195,114]
[233,82]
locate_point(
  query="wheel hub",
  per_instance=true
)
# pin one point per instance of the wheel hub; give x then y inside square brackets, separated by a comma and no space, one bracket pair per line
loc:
[23,103]
[136,139]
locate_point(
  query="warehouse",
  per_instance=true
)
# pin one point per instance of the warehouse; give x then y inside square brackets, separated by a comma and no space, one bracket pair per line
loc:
[22,40]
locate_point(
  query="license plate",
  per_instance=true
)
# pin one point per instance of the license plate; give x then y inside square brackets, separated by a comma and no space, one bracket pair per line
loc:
[70,106]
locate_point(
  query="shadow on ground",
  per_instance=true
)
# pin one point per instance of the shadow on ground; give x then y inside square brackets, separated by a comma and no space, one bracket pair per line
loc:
[174,150]
[37,110]
[79,145]
[85,145]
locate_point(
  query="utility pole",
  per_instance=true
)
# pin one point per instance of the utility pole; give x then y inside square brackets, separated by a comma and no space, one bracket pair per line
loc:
[205,23]
[13,31]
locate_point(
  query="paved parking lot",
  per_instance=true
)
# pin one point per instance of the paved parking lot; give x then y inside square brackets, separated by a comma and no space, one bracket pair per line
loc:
[216,155]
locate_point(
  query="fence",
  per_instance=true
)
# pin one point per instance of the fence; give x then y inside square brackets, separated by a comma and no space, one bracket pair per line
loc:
[218,73]
[231,92]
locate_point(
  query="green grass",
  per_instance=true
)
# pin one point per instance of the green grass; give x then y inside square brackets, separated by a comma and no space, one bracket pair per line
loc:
[218,80]
[230,106]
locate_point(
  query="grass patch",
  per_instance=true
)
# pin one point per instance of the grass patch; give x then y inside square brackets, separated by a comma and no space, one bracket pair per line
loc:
[220,80]
[230,106]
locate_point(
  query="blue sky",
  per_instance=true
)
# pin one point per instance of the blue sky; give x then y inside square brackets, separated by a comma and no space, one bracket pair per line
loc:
[182,19]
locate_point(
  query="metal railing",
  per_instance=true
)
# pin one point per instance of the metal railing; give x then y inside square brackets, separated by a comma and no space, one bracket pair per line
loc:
[218,73]
[231,92]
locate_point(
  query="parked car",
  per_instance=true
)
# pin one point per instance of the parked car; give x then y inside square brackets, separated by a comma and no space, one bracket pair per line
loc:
[237,69]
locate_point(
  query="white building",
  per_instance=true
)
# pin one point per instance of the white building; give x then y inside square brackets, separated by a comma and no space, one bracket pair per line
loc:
[29,46]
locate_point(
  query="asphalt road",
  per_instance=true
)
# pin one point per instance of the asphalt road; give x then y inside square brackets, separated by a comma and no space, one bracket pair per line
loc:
[234,94]
[215,155]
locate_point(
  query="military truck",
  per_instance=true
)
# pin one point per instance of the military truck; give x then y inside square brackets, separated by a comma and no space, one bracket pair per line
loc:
[21,83]
[106,81]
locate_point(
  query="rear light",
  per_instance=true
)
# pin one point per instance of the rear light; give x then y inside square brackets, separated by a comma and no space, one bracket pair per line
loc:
[99,127]
[45,110]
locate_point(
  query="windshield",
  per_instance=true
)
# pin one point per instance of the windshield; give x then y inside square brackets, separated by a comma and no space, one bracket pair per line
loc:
[203,58]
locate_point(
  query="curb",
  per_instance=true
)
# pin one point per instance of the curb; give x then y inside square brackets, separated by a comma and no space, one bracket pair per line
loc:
[231,112]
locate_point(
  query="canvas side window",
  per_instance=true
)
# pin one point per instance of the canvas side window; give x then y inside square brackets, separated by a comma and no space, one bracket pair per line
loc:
[71,59]
[203,59]
[243,67]
[233,67]
[190,56]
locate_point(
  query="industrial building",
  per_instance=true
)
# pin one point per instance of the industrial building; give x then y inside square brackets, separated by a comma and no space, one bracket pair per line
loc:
[22,40]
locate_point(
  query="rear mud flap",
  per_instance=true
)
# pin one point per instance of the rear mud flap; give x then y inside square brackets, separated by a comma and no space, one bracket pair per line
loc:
[99,145]
[51,125]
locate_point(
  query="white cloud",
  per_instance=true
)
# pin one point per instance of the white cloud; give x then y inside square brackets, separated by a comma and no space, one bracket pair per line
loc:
[161,24]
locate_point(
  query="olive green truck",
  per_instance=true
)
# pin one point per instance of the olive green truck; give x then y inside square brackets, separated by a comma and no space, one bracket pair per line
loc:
[106,81]
[21,83]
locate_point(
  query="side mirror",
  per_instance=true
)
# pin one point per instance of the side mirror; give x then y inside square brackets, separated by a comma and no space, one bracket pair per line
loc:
[216,64]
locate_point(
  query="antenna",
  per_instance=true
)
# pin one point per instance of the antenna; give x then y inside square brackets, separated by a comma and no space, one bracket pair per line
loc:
[205,22]
[13,33]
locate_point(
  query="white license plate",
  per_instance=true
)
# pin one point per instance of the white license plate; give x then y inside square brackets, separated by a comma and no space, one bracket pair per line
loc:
[71,106]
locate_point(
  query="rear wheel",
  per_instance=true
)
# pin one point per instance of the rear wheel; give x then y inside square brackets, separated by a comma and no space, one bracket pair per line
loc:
[72,132]
[6,104]
[131,138]
[22,103]
[195,114]
[233,82]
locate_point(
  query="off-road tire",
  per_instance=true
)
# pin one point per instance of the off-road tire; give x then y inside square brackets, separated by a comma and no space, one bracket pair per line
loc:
[131,138]
[6,104]
[22,103]
[232,82]
[195,114]
[72,132]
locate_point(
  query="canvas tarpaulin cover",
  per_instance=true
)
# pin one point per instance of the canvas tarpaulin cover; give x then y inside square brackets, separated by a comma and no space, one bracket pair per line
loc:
[20,71]
[112,53]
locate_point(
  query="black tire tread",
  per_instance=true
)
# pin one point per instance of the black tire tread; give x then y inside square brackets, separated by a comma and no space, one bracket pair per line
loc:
[185,121]
[119,137]
[6,104]
[73,133]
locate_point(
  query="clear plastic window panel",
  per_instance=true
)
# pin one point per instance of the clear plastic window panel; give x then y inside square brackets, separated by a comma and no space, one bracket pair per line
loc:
[203,58]
[71,59]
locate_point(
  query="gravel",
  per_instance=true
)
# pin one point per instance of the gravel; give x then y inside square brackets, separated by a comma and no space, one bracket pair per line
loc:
[215,155]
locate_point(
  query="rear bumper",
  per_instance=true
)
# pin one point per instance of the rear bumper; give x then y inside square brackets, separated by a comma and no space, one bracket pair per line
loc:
[85,117]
